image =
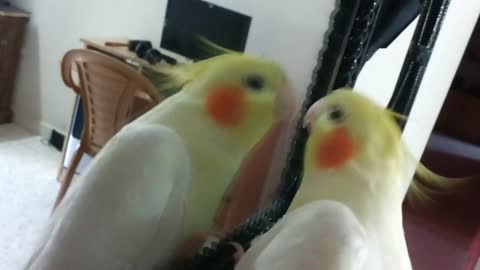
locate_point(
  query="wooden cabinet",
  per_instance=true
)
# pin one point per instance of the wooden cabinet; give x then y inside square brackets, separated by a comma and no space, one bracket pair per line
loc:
[12,28]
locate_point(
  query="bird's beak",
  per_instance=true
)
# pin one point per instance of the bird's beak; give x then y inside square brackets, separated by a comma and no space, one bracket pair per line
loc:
[312,114]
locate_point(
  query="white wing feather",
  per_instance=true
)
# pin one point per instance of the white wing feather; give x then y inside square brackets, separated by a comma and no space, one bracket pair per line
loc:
[125,212]
[323,235]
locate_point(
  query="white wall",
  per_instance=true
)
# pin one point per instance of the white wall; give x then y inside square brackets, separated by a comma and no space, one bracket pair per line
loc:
[378,78]
[56,27]
[289,32]
[379,75]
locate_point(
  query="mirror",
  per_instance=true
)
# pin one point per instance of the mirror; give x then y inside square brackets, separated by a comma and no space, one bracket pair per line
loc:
[308,41]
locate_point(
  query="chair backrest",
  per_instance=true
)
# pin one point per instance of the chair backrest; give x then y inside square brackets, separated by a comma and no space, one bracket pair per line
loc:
[107,87]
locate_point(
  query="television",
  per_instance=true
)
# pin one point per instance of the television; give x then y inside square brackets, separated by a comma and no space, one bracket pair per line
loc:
[185,19]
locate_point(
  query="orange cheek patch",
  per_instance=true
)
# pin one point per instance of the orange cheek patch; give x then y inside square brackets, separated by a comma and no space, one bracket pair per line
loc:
[335,150]
[226,106]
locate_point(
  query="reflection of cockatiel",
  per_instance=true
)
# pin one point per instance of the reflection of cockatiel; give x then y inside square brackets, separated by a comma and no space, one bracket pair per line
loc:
[159,181]
[347,213]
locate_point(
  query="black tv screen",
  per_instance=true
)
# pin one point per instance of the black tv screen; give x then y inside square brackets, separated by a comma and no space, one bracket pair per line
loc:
[185,19]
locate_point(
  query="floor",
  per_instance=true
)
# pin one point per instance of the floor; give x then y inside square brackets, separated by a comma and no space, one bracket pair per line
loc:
[28,187]
[442,239]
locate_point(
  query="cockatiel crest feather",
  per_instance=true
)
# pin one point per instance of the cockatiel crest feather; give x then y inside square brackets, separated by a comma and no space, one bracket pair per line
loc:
[171,78]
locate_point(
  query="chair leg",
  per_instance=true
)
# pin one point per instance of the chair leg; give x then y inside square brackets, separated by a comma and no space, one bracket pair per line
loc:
[68,177]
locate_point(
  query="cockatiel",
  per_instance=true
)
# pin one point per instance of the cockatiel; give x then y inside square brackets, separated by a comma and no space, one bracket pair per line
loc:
[347,213]
[159,181]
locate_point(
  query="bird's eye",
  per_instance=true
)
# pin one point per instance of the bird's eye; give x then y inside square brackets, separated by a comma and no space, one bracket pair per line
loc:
[336,114]
[254,82]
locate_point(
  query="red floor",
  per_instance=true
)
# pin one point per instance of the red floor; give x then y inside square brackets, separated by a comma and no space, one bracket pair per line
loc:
[441,240]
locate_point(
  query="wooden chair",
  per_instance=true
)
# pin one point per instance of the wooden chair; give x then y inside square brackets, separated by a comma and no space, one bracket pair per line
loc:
[108,88]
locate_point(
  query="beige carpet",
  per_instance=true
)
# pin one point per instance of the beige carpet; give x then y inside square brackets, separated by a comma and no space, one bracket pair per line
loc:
[28,187]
